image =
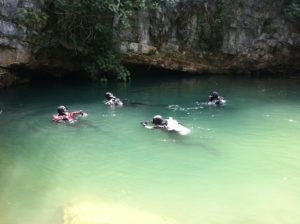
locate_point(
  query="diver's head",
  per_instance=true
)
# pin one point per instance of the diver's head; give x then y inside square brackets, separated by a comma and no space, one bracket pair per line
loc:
[157,120]
[213,96]
[62,110]
[109,95]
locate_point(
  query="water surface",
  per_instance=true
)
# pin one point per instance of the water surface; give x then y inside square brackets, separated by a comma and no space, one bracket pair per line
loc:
[239,164]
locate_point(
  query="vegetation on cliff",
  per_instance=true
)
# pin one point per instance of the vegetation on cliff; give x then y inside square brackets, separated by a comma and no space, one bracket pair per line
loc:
[207,33]
[293,10]
[86,27]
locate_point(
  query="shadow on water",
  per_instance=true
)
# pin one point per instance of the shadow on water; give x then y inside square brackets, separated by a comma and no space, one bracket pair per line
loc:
[129,103]
[187,142]
[81,124]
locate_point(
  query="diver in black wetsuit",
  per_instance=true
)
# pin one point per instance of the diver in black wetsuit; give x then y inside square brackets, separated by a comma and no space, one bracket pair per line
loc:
[169,125]
[215,99]
[157,122]
[112,100]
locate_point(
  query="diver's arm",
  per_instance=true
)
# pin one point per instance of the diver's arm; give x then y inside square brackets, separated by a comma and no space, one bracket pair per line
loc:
[118,102]
[144,123]
[110,102]
[114,102]
[64,117]
[78,112]
[160,126]
[147,124]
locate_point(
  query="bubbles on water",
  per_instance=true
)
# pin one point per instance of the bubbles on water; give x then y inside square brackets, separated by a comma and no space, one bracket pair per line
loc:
[202,104]
[174,107]
[109,115]
[184,109]
[84,115]
[168,140]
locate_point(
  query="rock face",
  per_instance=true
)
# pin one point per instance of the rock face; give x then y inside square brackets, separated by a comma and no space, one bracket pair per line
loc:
[13,46]
[17,49]
[195,36]
[14,49]
[216,36]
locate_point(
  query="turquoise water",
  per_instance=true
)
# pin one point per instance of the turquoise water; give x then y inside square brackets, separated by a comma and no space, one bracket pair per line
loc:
[239,164]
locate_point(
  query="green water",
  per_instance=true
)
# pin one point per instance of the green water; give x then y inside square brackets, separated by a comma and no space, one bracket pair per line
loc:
[239,164]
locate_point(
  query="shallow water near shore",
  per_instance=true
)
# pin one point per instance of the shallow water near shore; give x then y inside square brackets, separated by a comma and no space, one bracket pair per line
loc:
[239,164]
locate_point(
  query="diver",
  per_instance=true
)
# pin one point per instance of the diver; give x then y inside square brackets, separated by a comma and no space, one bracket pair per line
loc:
[112,100]
[215,99]
[166,125]
[157,122]
[64,115]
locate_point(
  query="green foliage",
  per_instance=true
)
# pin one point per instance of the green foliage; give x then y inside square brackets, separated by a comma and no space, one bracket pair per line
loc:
[293,11]
[217,16]
[109,64]
[3,13]
[33,19]
[86,27]
[212,19]
[221,14]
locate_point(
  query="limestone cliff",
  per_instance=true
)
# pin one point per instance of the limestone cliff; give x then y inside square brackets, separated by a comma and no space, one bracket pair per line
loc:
[18,50]
[13,46]
[214,36]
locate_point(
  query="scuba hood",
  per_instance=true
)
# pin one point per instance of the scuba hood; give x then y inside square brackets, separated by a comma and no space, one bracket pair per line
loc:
[62,110]
[109,96]
[157,120]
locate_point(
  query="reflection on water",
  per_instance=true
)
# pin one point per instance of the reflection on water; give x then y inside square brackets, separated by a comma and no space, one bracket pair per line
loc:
[239,164]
